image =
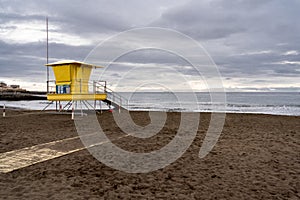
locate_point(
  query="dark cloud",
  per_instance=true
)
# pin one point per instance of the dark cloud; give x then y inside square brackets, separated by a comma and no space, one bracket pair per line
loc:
[221,18]
[28,60]
[246,38]
[12,17]
[255,64]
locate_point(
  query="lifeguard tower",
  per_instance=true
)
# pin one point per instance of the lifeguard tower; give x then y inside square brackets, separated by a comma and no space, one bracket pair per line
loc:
[72,84]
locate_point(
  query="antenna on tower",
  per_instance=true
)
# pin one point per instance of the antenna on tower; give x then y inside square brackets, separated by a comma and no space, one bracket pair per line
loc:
[47,55]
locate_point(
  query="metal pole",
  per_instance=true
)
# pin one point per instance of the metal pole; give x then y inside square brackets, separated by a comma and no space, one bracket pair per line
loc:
[47,55]
[100,107]
[72,110]
[4,110]
[60,106]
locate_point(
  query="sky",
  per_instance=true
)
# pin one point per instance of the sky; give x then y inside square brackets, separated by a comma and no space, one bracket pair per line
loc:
[255,44]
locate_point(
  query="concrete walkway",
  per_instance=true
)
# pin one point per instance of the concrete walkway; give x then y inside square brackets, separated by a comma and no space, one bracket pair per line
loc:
[27,156]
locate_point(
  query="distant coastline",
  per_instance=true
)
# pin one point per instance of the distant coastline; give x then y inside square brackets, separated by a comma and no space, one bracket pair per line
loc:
[16,93]
[25,95]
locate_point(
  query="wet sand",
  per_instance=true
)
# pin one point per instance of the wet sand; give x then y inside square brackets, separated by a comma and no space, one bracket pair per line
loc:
[256,157]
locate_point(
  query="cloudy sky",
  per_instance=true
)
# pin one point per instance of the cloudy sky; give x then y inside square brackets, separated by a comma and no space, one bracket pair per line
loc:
[254,43]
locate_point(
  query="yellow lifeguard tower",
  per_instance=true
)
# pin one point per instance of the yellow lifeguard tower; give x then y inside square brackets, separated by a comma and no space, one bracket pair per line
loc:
[72,82]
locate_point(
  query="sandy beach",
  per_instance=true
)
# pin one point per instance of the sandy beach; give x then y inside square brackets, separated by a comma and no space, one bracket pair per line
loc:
[256,157]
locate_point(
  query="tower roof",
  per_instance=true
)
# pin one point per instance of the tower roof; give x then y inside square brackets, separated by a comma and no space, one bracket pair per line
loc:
[67,62]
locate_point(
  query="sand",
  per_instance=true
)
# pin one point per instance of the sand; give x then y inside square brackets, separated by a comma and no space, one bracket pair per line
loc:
[256,157]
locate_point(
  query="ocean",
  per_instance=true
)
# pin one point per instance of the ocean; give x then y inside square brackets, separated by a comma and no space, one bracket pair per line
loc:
[275,103]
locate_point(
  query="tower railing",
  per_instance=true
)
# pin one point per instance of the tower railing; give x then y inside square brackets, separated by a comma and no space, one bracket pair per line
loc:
[114,97]
[93,87]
